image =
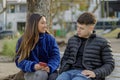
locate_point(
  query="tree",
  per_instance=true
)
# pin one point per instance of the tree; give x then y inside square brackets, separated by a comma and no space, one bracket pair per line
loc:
[98,2]
[63,5]
[39,6]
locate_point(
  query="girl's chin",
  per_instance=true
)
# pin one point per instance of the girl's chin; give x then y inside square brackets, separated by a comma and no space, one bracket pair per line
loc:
[42,31]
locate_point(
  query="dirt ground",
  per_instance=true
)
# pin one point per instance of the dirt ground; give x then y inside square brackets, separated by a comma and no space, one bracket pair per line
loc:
[8,68]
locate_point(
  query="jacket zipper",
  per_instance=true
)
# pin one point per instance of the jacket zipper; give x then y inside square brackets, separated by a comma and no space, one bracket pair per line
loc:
[77,51]
[83,54]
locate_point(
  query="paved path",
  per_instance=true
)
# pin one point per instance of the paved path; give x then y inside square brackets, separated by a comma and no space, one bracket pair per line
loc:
[7,69]
[115,43]
[116,73]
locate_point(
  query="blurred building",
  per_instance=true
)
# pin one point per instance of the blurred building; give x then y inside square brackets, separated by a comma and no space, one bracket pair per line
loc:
[16,14]
[14,17]
[105,8]
[109,14]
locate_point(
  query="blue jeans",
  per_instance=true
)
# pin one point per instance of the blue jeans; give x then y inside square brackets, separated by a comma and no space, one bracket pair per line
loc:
[72,75]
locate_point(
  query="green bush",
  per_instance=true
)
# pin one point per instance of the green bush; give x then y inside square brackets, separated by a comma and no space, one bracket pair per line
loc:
[9,47]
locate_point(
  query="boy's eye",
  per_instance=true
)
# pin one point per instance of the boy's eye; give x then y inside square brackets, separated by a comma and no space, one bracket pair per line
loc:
[80,28]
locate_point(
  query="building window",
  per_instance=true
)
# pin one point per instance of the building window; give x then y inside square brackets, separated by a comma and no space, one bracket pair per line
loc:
[23,8]
[12,8]
[118,14]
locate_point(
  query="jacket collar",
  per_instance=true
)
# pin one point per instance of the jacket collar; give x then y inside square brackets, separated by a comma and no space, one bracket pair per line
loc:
[41,35]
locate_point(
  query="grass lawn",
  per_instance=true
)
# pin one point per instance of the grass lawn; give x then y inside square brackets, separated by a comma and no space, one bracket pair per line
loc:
[112,34]
[9,47]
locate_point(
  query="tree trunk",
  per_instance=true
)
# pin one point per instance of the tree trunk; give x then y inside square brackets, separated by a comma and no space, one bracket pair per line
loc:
[41,7]
[4,7]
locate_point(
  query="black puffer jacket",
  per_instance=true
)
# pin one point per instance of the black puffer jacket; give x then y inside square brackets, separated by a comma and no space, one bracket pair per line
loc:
[96,56]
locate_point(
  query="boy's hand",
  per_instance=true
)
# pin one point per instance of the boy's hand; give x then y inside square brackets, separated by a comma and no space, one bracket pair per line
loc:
[89,73]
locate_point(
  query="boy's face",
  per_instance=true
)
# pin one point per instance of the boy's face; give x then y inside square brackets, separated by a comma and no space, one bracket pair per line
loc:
[83,30]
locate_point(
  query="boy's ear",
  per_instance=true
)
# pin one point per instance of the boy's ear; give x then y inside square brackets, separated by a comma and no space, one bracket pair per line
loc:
[91,27]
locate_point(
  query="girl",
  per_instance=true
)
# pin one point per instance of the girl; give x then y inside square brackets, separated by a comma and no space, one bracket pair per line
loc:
[37,51]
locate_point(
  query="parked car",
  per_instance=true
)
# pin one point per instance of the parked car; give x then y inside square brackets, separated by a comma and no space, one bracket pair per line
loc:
[7,34]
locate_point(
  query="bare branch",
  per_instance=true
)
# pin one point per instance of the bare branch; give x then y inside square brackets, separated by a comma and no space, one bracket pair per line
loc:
[4,9]
[96,7]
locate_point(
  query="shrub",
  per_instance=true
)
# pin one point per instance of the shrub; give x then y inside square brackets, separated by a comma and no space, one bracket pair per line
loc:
[9,47]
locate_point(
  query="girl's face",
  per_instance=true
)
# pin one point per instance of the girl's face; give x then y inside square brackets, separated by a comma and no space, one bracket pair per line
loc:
[42,26]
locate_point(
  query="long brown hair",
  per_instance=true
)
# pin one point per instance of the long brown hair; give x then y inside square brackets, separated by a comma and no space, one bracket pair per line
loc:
[30,36]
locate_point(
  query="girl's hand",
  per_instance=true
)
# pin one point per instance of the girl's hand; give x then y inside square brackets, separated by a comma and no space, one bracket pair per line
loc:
[47,69]
[42,67]
[37,67]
